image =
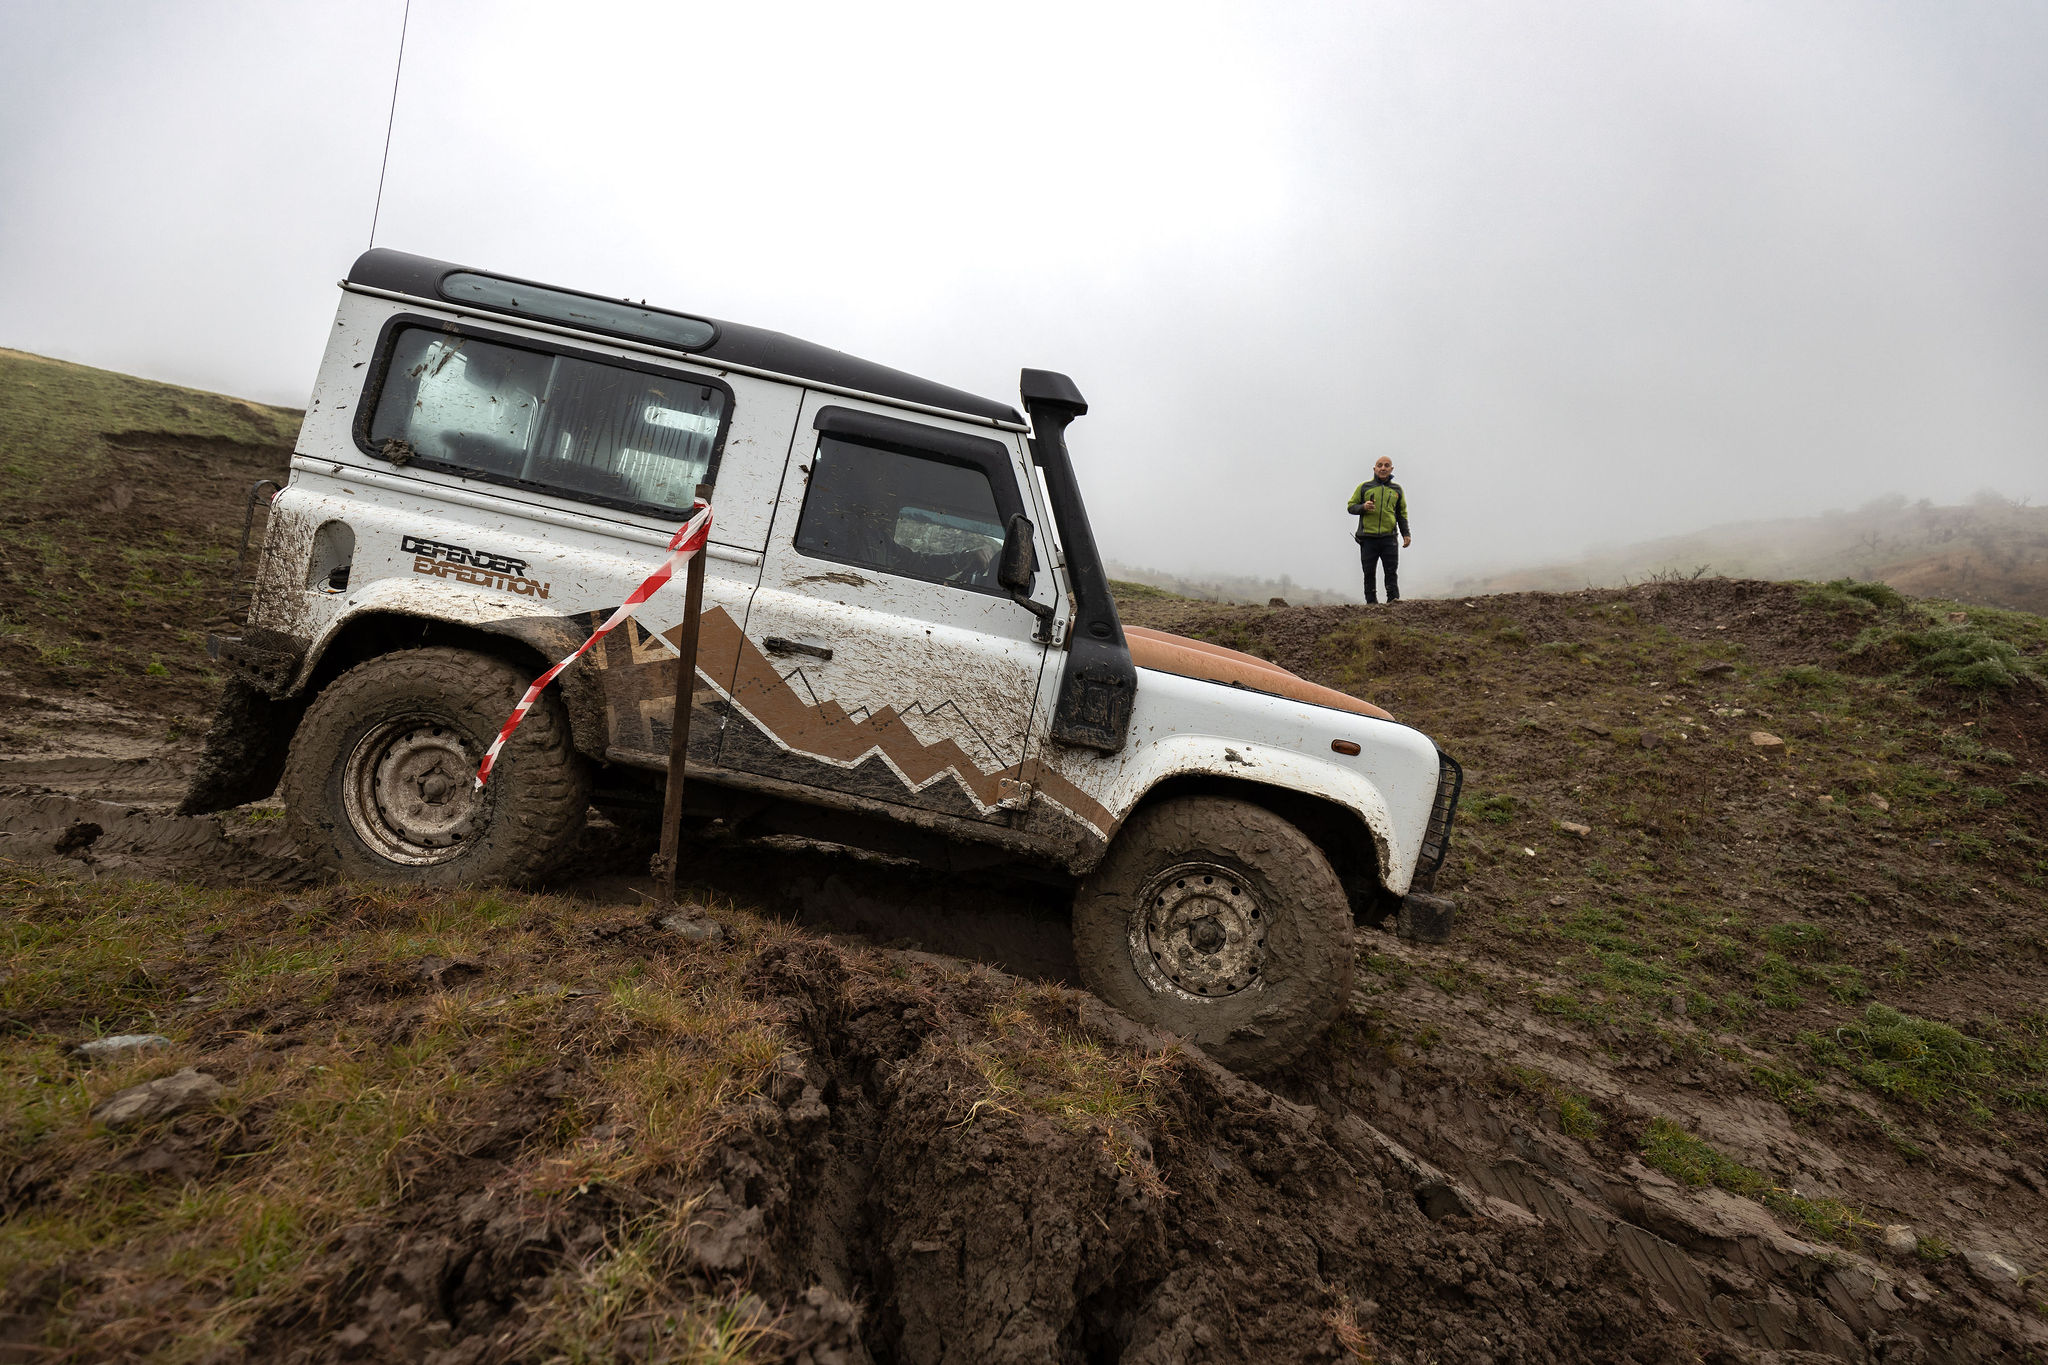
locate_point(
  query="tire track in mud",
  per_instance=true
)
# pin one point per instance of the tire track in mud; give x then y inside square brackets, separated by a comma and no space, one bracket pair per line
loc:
[122,838]
[1709,1257]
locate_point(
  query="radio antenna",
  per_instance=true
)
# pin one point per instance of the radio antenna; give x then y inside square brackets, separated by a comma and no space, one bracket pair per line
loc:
[389,121]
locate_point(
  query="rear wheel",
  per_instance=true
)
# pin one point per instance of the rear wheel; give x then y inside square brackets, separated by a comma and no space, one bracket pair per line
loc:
[380,782]
[1220,921]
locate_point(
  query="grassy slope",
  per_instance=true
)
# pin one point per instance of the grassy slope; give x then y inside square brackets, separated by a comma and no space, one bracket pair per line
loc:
[120,506]
[55,418]
[353,1075]
[1862,913]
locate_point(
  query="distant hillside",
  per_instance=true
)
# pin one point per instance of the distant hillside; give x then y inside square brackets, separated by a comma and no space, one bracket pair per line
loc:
[1229,587]
[121,505]
[1991,552]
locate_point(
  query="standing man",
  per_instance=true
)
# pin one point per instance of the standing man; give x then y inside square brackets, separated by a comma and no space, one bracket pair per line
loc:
[1381,507]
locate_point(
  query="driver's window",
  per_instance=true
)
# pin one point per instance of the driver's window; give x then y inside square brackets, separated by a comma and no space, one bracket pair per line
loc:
[911,515]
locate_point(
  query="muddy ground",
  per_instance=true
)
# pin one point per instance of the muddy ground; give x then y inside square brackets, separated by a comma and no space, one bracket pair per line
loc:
[1739,1052]
[1477,1165]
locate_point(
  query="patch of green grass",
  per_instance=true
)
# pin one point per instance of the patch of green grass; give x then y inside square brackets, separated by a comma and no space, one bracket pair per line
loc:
[1691,1161]
[1029,1061]
[1577,1118]
[1847,594]
[1777,983]
[1628,974]
[1600,927]
[1565,1005]
[1796,939]
[1393,969]
[1967,657]
[1843,982]
[1966,746]
[1937,1067]
[1495,810]
[1788,1088]
[1805,678]
[1142,592]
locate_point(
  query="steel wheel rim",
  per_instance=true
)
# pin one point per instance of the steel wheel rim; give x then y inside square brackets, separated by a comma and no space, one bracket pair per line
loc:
[409,791]
[1199,931]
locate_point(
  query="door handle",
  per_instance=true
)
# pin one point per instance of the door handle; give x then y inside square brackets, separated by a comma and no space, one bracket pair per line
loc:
[775,644]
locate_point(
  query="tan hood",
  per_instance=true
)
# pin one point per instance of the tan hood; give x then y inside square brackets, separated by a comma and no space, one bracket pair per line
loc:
[1185,658]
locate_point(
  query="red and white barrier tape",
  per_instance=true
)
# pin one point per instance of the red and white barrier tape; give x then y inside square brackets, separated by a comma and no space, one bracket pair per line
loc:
[687,541]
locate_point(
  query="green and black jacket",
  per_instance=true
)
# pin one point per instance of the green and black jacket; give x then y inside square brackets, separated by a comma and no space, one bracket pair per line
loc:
[1390,508]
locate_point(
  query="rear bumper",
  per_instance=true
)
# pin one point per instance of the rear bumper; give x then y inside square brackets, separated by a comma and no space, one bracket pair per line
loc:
[245,749]
[265,666]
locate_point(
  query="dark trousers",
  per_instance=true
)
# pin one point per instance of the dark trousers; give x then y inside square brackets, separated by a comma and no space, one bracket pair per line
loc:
[1381,550]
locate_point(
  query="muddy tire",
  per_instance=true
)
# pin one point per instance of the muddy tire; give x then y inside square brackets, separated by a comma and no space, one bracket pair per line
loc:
[1220,921]
[379,782]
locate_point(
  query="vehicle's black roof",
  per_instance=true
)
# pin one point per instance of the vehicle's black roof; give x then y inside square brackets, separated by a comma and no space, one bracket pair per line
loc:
[735,342]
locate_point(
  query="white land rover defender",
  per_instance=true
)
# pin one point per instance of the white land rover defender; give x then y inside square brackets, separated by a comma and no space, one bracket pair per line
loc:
[907,644]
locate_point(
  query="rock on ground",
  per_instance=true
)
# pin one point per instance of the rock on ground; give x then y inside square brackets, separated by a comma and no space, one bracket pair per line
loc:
[161,1098]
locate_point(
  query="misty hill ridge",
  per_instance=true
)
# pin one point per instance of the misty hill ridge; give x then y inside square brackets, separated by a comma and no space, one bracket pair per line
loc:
[1244,589]
[1990,552]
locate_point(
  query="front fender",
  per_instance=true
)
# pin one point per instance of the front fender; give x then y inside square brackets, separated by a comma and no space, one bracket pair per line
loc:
[1284,770]
[399,601]
[1381,772]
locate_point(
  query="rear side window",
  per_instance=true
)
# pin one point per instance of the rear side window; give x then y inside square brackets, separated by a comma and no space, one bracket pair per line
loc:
[902,514]
[596,432]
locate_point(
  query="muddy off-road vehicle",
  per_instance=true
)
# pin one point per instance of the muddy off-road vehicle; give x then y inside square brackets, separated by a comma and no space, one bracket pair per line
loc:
[907,644]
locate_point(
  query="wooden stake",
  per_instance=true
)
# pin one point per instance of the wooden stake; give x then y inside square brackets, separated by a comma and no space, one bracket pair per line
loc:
[679,728]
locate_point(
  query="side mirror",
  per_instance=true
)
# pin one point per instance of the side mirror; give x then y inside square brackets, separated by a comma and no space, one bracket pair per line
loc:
[1014,571]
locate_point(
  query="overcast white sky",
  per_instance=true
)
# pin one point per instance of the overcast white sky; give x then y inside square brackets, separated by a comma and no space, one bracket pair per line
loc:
[1590,272]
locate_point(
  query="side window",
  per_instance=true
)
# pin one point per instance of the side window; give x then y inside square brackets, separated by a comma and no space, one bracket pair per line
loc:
[911,515]
[587,430]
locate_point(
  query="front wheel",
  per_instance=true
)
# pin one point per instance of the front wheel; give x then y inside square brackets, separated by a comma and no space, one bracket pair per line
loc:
[1220,921]
[380,781]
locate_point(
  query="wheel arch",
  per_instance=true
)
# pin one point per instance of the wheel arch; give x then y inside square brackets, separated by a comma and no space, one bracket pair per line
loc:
[1357,852]
[530,643]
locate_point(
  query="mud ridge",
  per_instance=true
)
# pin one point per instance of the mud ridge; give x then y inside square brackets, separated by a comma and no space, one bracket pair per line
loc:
[1229,1225]
[879,1212]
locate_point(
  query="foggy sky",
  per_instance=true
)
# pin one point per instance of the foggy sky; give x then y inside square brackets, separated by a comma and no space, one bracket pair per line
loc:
[1589,272]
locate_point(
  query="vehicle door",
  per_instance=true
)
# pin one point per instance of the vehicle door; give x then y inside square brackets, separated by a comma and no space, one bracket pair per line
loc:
[880,657]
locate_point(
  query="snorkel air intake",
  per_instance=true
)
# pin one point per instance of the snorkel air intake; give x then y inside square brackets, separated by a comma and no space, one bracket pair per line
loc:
[1099,684]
